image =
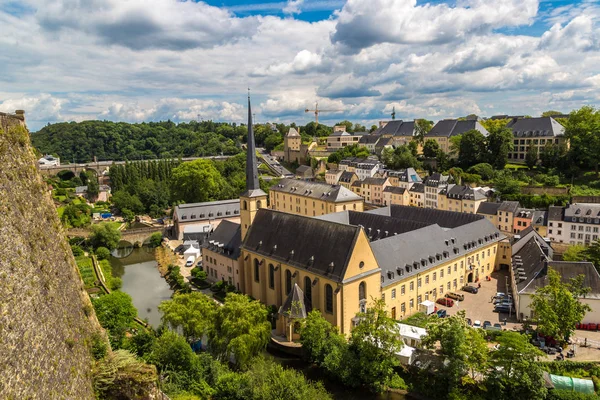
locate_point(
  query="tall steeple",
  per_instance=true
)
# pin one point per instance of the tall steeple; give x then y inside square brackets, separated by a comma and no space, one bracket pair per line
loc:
[251,168]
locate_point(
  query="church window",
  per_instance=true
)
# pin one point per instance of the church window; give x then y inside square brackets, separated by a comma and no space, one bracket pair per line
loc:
[288,281]
[256,270]
[271,276]
[328,298]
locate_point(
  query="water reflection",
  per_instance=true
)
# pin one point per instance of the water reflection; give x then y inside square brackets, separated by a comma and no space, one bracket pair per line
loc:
[142,281]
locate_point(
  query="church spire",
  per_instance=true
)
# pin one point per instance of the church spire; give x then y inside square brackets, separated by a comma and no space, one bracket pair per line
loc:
[251,168]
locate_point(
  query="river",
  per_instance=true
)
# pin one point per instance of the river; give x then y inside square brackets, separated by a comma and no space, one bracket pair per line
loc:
[142,281]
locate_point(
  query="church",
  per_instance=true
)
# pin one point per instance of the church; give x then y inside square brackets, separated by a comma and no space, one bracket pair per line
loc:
[338,262]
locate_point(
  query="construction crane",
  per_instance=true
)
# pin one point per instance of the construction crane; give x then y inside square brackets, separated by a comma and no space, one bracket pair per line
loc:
[317,112]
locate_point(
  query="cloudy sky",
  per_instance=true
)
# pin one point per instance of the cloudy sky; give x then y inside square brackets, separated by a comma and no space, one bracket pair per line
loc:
[148,60]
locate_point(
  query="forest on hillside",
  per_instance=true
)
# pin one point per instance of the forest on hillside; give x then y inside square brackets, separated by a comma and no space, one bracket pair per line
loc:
[106,140]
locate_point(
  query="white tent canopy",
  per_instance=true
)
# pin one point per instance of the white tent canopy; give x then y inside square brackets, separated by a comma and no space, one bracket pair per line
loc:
[192,251]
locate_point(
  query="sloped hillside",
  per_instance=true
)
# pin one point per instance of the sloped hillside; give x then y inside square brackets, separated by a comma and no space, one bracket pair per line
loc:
[46,318]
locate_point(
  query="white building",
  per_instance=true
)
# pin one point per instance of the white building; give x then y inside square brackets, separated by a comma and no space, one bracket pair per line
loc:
[49,161]
[434,184]
[577,223]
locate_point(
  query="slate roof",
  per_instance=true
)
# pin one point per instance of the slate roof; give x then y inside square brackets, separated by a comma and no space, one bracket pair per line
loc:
[347,176]
[453,127]
[535,127]
[462,192]
[583,210]
[374,181]
[405,255]
[488,208]
[394,190]
[555,213]
[376,226]
[525,213]
[319,246]
[509,206]
[208,210]
[540,217]
[304,170]
[226,239]
[294,306]
[417,188]
[446,219]
[436,179]
[355,161]
[398,128]
[406,175]
[369,139]
[316,190]
[292,132]
[384,142]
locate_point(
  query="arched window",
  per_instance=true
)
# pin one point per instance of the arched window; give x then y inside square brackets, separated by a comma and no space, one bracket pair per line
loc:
[271,276]
[256,270]
[328,298]
[259,204]
[362,291]
[288,281]
[344,207]
[245,205]
[308,289]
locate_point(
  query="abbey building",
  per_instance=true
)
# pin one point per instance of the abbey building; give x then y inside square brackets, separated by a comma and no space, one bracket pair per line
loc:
[325,253]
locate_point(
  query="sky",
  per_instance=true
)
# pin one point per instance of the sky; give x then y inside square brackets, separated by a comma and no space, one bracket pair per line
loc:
[151,60]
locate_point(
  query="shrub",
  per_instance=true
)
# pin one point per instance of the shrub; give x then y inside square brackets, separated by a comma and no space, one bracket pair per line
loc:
[102,253]
[77,250]
[98,346]
[568,395]
[397,383]
[116,283]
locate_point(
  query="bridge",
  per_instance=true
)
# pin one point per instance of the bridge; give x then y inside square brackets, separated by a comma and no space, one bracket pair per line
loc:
[101,167]
[129,235]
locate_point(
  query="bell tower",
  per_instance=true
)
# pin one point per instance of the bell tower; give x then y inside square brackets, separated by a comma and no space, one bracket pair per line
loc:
[253,198]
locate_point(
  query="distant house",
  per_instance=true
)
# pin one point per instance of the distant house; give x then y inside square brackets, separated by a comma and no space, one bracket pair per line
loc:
[404,178]
[363,167]
[537,133]
[577,223]
[103,192]
[461,198]
[340,138]
[332,176]
[371,189]
[417,195]
[447,128]
[531,260]
[220,253]
[347,178]
[369,141]
[49,161]
[396,195]
[401,132]
[434,184]
[502,215]
[305,173]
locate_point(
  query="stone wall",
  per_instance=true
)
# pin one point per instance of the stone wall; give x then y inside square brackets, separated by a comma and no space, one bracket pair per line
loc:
[46,318]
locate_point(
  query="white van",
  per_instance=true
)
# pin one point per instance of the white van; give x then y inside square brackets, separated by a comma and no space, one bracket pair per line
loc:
[190,261]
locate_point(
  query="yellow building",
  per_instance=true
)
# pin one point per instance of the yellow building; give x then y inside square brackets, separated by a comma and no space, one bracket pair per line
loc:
[404,178]
[221,253]
[332,176]
[461,198]
[447,128]
[417,195]
[347,179]
[371,189]
[398,196]
[339,261]
[312,198]
[500,214]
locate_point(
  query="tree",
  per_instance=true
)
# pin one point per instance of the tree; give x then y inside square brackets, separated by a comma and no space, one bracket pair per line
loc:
[105,235]
[472,148]
[374,342]
[484,170]
[401,157]
[315,334]
[93,188]
[373,128]
[553,156]
[272,141]
[495,124]
[347,124]
[500,143]
[454,147]
[422,127]
[155,239]
[171,352]
[463,349]
[196,181]
[456,173]
[123,200]
[115,312]
[431,148]
[514,372]
[506,184]
[531,157]
[240,329]
[551,113]
[193,313]
[574,252]
[557,307]
[583,131]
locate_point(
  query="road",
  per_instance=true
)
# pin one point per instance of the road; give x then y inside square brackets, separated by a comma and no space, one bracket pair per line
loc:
[274,164]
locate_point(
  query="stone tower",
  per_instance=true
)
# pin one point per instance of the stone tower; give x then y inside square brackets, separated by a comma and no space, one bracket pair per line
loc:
[253,198]
[291,145]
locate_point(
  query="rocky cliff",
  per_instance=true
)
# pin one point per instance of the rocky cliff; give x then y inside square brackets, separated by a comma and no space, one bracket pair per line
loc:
[46,319]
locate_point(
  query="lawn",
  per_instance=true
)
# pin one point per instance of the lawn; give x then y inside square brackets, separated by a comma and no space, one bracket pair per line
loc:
[60,211]
[86,270]
[515,166]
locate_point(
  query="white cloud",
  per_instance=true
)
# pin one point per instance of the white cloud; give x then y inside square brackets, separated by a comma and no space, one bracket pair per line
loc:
[579,34]
[38,108]
[303,62]
[293,7]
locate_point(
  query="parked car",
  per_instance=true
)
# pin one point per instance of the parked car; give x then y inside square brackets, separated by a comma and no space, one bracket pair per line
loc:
[477,324]
[456,296]
[445,302]
[502,309]
[470,289]
[486,324]
[199,263]
[499,295]
[505,303]
[497,325]
[441,313]
[498,300]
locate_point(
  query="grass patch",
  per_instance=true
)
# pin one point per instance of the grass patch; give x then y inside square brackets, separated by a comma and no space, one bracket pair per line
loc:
[60,211]
[515,166]
[86,270]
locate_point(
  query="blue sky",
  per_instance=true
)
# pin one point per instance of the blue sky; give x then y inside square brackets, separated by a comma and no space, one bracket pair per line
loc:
[147,60]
